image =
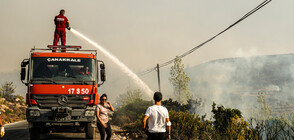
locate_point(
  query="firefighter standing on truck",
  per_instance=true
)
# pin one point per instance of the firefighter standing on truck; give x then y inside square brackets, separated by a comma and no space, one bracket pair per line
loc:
[61,23]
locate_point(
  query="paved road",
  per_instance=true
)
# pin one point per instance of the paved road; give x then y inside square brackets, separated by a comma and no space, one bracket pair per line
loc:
[20,131]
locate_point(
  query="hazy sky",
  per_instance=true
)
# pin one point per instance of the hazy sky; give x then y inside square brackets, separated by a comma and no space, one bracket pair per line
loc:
[143,33]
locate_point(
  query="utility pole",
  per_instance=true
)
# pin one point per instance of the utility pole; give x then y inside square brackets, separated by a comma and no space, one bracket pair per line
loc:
[158,76]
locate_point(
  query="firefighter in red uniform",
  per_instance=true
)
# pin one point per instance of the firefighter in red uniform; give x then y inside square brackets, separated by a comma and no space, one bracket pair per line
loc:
[61,23]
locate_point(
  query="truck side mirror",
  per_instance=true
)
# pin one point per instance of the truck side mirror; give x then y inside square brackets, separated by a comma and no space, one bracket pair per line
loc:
[102,75]
[102,66]
[102,72]
[23,73]
[24,63]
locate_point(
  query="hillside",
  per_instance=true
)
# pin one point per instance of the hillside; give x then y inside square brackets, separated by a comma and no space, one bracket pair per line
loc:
[235,82]
[12,109]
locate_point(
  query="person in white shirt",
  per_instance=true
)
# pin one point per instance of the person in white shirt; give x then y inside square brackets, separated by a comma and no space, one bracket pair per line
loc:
[158,123]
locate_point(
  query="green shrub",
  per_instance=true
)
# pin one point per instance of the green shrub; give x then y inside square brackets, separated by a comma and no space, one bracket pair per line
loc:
[175,105]
[129,113]
[189,126]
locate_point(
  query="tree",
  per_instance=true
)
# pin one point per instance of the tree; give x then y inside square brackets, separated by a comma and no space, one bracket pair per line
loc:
[223,117]
[229,124]
[265,111]
[7,89]
[180,80]
[175,105]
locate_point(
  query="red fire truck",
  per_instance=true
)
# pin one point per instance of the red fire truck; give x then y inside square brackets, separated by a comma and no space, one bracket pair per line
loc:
[62,89]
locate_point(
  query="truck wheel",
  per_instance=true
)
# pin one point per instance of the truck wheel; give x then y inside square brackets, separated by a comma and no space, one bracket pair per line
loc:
[90,131]
[34,133]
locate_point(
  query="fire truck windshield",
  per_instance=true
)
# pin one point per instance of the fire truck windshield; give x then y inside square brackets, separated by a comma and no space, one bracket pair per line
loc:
[63,70]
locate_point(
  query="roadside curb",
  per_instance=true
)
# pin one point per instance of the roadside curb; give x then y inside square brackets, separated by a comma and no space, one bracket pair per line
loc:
[14,123]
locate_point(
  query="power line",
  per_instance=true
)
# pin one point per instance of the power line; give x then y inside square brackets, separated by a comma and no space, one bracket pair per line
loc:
[200,45]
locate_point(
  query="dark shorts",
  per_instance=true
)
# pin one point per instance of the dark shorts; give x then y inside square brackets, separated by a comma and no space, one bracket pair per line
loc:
[156,136]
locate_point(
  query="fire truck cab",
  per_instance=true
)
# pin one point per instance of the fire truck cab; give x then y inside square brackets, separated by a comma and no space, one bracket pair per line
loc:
[62,89]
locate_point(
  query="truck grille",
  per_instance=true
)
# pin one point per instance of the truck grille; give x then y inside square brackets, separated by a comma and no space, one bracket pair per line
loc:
[49,101]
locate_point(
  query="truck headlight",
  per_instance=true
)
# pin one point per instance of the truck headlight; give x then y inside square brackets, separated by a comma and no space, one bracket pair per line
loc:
[89,113]
[35,113]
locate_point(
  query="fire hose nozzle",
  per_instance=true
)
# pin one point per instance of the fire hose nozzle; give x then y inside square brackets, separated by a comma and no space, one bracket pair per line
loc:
[67,26]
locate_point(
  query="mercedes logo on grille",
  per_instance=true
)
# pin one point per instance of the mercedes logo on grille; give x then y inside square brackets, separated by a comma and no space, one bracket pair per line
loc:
[62,100]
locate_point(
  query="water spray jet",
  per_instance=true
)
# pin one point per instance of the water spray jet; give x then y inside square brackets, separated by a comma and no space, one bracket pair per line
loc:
[113,58]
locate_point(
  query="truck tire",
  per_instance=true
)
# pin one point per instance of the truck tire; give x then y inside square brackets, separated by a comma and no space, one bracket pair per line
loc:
[34,133]
[90,131]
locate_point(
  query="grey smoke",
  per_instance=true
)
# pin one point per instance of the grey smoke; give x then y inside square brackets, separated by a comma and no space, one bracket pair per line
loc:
[235,82]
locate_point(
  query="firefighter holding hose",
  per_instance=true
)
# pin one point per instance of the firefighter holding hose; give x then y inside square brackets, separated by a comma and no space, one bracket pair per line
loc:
[61,23]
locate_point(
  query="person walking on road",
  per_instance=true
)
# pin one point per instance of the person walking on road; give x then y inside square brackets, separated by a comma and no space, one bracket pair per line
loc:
[102,116]
[159,125]
[2,131]
[61,23]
